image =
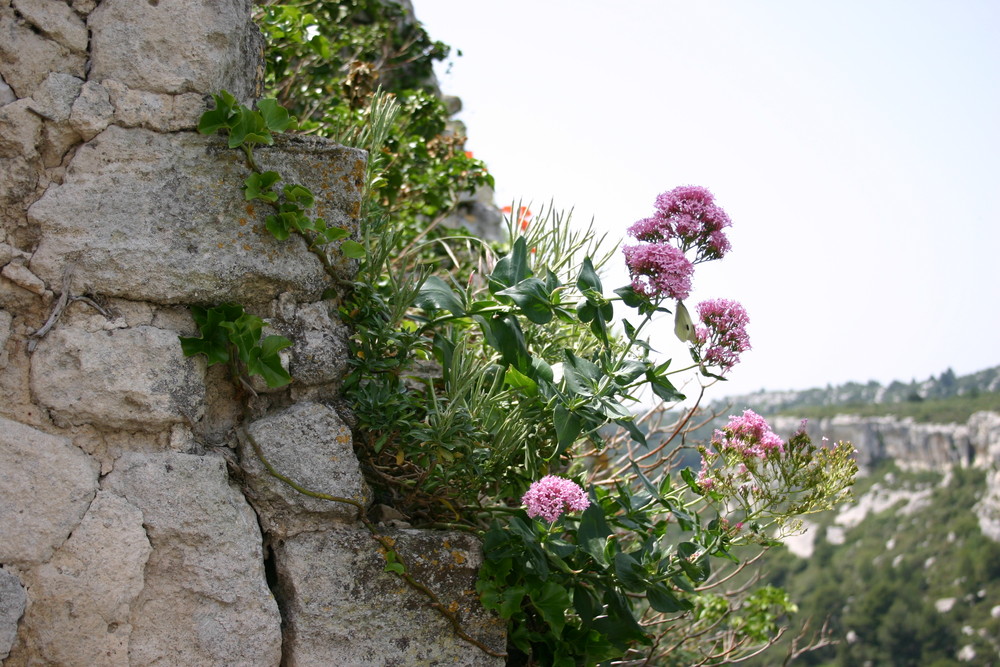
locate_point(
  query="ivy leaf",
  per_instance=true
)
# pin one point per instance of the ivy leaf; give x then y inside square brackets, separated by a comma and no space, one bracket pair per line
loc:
[551,600]
[265,361]
[244,333]
[352,249]
[278,226]
[220,117]
[258,186]
[299,194]
[276,117]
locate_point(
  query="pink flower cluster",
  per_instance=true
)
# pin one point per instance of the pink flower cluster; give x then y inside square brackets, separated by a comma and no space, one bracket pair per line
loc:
[689,216]
[686,218]
[659,270]
[550,496]
[724,336]
[749,435]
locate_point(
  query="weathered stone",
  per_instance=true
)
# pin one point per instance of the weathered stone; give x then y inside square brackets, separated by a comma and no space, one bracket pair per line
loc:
[54,98]
[20,130]
[57,139]
[92,110]
[342,608]
[208,245]
[154,111]
[137,43]
[309,444]
[84,7]
[6,319]
[56,20]
[319,352]
[18,273]
[27,58]
[205,601]
[6,93]
[134,378]
[12,602]
[46,485]
[987,510]
[81,599]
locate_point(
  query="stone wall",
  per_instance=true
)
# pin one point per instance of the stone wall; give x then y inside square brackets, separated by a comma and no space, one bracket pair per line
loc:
[137,525]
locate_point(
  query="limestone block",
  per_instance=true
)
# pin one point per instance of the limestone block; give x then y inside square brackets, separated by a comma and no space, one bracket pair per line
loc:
[6,319]
[27,58]
[57,139]
[320,351]
[56,20]
[20,130]
[342,608]
[46,485]
[12,601]
[199,46]
[6,93]
[154,111]
[92,111]
[134,378]
[162,218]
[54,98]
[310,444]
[205,600]
[81,599]
[18,273]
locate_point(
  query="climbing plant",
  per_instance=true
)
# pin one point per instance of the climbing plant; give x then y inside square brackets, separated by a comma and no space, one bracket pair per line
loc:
[495,384]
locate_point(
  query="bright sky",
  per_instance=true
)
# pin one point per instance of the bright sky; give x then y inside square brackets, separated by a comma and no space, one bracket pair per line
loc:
[855,145]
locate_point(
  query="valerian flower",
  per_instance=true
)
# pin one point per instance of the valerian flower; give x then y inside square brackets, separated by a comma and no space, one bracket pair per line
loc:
[550,496]
[723,337]
[749,435]
[688,217]
[659,270]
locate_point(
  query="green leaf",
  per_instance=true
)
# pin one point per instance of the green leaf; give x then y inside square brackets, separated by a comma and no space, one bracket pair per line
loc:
[512,598]
[629,572]
[588,279]
[511,269]
[258,186]
[331,234]
[352,249]
[395,567]
[519,380]
[592,535]
[532,298]
[244,333]
[221,116]
[552,601]
[299,194]
[436,294]
[662,599]
[276,117]
[278,226]
[568,426]
[581,375]
[629,296]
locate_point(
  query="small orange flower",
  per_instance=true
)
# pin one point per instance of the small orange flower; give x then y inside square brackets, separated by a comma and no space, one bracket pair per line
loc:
[468,154]
[523,216]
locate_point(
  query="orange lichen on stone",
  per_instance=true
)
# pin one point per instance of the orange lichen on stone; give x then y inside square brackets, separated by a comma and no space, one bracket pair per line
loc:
[458,556]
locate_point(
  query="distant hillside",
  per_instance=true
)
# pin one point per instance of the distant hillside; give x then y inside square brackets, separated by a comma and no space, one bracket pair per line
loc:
[947,398]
